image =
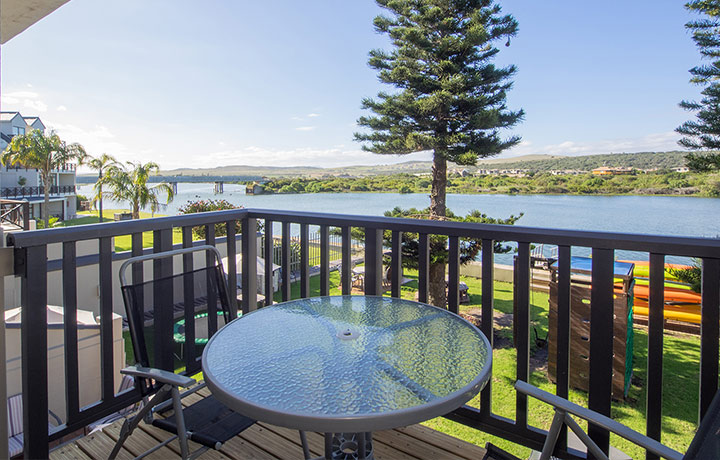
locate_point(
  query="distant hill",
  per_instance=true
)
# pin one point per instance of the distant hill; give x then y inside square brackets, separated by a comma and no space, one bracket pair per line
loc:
[644,160]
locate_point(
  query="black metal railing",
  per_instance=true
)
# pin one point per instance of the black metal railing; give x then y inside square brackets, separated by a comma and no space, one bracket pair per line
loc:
[15,213]
[20,192]
[62,167]
[31,264]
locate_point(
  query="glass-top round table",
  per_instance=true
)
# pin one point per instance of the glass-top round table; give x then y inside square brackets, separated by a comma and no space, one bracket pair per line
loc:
[347,364]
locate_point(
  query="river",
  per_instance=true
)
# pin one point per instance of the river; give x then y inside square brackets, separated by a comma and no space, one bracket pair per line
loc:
[654,215]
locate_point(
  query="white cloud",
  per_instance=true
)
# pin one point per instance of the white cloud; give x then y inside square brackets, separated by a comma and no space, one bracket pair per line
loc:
[100,139]
[313,115]
[61,108]
[304,128]
[655,142]
[297,118]
[38,106]
[29,99]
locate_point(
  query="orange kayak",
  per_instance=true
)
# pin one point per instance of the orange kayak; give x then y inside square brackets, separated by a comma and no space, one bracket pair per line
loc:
[671,294]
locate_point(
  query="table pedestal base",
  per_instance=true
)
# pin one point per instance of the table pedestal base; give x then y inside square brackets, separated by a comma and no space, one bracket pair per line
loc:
[348,446]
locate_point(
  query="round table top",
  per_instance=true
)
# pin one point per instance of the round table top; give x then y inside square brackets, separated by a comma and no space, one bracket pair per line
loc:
[347,363]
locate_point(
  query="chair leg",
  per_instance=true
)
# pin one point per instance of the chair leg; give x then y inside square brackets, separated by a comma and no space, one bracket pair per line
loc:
[130,424]
[180,423]
[553,434]
[305,447]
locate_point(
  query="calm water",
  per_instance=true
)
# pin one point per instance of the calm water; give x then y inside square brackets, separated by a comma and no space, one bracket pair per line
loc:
[680,216]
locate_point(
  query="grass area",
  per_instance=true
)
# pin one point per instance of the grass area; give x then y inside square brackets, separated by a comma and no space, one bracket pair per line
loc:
[122,243]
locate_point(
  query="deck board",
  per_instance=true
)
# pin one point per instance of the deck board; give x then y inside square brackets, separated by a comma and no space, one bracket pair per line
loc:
[264,441]
[69,452]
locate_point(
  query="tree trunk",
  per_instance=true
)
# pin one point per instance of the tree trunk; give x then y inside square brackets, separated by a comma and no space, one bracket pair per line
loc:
[439,186]
[46,208]
[100,197]
[436,288]
[436,283]
[136,211]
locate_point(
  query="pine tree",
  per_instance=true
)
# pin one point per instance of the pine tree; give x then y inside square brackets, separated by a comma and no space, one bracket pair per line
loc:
[449,97]
[704,133]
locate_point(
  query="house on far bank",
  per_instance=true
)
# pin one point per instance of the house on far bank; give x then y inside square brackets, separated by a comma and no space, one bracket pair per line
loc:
[681,169]
[610,171]
[254,189]
[25,184]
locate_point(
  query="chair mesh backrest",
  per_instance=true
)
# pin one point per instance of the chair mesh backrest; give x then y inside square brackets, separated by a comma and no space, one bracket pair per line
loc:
[15,415]
[208,293]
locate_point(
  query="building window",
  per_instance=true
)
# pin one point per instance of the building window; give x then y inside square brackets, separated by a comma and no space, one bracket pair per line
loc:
[18,130]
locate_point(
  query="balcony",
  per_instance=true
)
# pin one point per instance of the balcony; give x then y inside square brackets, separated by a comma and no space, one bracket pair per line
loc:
[33,192]
[74,272]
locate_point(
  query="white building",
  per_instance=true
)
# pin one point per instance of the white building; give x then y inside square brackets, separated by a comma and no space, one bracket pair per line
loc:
[20,183]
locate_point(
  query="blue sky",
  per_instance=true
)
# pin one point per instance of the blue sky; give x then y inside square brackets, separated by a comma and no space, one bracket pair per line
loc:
[199,84]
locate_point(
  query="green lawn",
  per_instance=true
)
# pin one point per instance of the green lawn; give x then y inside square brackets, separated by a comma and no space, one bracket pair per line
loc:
[122,243]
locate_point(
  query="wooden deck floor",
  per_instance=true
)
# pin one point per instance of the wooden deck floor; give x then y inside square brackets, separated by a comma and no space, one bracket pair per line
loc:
[264,441]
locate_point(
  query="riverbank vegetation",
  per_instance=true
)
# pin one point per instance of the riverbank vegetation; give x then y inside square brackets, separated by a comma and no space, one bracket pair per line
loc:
[653,183]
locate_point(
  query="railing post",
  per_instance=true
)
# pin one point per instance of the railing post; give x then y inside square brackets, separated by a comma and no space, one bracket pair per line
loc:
[709,332]
[231,252]
[346,264]
[32,264]
[6,268]
[656,302]
[396,264]
[304,261]
[602,310]
[269,263]
[373,261]
[162,303]
[423,267]
[521,321]
[249,265]
[285,262]
[487,305]
[26,216]
[324,260]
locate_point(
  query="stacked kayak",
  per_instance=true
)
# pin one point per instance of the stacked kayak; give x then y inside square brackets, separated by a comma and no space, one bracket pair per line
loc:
[681,303]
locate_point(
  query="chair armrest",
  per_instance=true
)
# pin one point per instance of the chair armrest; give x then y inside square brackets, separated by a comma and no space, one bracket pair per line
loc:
[160,375]
[56,419]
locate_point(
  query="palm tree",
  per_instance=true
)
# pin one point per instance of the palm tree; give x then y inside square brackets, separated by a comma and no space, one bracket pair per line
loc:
[130,183]
[44,152]
[101,164]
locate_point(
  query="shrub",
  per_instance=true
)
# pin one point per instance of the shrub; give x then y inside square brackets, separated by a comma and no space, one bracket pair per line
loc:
[192,207]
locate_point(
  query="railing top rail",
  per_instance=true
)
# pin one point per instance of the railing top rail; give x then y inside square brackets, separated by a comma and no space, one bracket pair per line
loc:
[109,229]
[5,201]
[671,245]
[686,246]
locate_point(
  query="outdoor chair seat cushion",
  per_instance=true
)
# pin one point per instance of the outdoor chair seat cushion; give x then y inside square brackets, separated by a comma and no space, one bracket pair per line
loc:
[15,444]
[208,422]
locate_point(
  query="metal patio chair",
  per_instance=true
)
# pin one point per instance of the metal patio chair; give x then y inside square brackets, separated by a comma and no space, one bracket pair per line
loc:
[565,408]
[16,440]
[207,422]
